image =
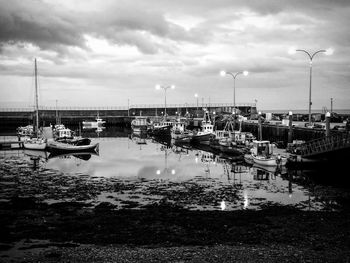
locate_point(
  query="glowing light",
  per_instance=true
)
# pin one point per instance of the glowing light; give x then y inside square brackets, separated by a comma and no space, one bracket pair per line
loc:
[292,51]
[246,200]
[158,172]
[173,171]
[196,95]
[329,51]
[245,73]
[222,73]
[223,205]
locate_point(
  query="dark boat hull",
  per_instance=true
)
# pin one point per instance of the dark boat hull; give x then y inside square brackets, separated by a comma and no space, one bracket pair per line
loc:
[68,148]
[162,131]
[203,138]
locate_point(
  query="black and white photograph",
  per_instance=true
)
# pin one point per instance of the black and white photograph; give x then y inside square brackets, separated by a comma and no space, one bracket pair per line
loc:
[174,131]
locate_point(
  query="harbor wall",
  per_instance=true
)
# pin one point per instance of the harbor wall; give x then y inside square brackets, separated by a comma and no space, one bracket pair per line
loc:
[279,133]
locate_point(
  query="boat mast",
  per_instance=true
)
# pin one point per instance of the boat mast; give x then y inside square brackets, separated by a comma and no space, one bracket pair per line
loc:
[36,99]
[57,118]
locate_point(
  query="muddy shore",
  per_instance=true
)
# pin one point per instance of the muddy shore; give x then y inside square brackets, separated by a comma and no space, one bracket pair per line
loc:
[49,217]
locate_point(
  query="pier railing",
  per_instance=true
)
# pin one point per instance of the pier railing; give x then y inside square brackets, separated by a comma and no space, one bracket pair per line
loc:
[31,108]
[325,145]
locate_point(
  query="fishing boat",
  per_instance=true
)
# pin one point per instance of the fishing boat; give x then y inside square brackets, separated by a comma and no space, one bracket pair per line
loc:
[140,124]
[262,153]
[66,135]
[94,124]
[180,133]
[206,133]
[229,137]
[161,128]
[25,131]
[36,142]
[60,147]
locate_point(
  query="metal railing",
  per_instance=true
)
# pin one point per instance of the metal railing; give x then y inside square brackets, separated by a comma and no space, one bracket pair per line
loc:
[326,144]
[136,106]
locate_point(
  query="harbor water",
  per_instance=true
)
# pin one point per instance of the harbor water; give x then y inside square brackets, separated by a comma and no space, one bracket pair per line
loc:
[134,172]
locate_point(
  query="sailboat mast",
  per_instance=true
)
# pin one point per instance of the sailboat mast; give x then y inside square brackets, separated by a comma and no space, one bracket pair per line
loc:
[36,99]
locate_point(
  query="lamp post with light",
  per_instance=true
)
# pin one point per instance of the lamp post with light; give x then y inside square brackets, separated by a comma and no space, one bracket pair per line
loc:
[165,89]
[234,75]
[311,56]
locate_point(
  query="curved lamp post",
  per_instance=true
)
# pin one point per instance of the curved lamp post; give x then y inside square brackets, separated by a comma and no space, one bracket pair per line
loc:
[234,75]
[311,56]
[165,89]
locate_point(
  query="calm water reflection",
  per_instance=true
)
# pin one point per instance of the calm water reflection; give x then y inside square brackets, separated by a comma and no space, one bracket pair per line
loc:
[194,178]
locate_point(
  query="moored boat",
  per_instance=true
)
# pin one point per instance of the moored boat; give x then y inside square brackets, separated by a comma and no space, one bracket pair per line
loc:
[140,124]
[66,135]
[36,142]
[206,133]
[161,128]
[262,153]
[180,133]
[25,131]
[60,147]
[94,124]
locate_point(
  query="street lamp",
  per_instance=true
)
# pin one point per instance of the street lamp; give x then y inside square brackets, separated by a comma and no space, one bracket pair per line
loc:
[234,75]
[165,89]
[327,52]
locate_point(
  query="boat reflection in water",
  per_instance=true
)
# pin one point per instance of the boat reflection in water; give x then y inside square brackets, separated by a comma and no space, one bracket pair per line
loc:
[194,176]
[85,156]
[96,129]
[37,157]
[261,172]
[139,138]
[40,158]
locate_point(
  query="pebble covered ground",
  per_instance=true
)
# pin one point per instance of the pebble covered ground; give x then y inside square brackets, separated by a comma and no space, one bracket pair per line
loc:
[48,216]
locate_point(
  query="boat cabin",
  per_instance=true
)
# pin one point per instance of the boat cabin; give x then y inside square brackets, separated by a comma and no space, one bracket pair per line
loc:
[25,131]
[179,126]
[162,124]
[208,128]
[262,148]
[140,122]
[64,134]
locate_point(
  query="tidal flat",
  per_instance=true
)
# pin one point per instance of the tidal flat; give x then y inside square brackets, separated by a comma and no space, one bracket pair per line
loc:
[51,216]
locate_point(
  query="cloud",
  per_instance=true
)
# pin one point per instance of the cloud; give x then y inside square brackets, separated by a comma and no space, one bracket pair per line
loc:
[128,46]
[36,22]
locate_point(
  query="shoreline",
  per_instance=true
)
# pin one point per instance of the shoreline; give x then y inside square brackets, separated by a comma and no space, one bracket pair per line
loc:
[74,229]
[71,231]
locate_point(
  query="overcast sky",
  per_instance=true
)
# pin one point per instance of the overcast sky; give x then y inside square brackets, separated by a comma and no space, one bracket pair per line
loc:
[102,53]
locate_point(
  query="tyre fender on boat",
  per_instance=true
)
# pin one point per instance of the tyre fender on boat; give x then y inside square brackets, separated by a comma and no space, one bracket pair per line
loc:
[278,159]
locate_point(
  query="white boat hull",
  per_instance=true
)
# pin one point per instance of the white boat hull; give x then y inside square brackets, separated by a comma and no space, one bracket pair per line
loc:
[269,161]
[35,144]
